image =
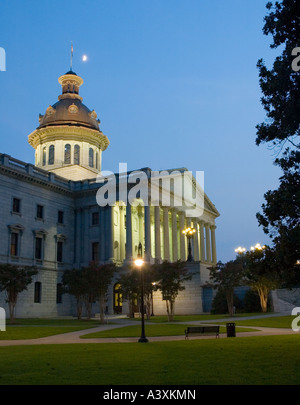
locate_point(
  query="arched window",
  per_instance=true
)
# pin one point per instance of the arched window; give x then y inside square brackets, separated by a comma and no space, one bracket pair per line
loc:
[44,156]
[76,155]
[51,155]
[91,157]
[97,160]
[67,159]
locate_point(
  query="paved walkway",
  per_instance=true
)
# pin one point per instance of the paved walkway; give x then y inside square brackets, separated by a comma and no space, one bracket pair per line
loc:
[74,337]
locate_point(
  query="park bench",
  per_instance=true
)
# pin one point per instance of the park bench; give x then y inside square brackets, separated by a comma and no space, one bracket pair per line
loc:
[199,330]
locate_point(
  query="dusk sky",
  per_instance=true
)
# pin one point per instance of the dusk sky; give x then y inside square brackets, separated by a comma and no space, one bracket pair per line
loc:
[174,83]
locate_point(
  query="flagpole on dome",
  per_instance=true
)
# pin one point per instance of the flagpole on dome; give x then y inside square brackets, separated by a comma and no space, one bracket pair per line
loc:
[71,56]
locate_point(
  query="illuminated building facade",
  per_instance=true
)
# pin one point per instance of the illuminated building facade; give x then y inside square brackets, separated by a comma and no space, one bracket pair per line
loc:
[51,216]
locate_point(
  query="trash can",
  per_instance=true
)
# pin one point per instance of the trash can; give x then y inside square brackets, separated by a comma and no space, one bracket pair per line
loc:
[230,328]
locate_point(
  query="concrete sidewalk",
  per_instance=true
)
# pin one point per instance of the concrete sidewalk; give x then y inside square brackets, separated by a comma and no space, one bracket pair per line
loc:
[74,337]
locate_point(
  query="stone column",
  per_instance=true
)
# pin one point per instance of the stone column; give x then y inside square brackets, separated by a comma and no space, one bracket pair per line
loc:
[213,244]
[86,239]
[157,233]
[122,232]
[102,234]
[166,233]
[174,235]
[202,248]
[208,246]
[147,233]
[110,233]
[140,216]
[182,237]
[128,232]
[196,241]
[77,237]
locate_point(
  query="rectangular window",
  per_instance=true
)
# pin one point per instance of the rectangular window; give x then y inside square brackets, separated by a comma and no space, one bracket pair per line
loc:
[38,248]
[37,292]
[59,292]
[40,211]
[59,253]
[95,218]
[14,244]
[60,217]
[95,251]
[16,206]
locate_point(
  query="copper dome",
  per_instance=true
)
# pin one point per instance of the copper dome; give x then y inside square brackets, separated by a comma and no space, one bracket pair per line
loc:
[69,110]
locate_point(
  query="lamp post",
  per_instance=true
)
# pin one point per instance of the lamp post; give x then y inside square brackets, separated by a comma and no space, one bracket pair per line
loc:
[257,247]
[240,250]
[139,263]
[189,233]
[152,312]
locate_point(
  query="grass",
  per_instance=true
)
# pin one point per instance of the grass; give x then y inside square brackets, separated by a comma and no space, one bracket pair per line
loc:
[151,330]
[37,328]
[190,318]
[251,360]
[52,322]
[158,326]
[271,322]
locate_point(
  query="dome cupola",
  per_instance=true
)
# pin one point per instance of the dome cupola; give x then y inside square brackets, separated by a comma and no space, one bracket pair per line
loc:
[68,140]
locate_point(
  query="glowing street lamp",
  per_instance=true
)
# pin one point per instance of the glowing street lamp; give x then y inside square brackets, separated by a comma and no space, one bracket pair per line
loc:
[240,250]
[189,233]
[139,264]
[257,247]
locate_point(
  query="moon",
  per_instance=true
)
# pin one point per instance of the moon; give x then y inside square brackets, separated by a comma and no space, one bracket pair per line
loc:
[84,58]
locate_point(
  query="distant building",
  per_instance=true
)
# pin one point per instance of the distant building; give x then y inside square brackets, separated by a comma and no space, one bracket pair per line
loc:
[51,216]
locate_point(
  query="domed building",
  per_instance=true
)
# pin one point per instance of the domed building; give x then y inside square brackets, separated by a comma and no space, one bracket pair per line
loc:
[68,140]
[53,217]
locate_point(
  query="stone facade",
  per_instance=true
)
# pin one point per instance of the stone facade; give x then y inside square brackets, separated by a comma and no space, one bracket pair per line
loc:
[61,212]
[52,215]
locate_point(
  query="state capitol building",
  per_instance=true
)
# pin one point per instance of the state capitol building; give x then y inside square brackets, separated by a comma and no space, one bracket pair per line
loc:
[52,217]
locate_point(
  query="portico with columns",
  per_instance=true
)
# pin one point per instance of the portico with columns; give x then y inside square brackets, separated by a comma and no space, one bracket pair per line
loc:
[159,229]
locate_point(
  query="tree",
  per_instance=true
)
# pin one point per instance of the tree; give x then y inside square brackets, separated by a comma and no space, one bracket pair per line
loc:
[219,303]
[131,287]
[100,276]
[226,277]
[280,85]
[13,280]
[252,301]
[280,88]
[262,273]
[171,278]
[280,219]
[87,284]
[74,284]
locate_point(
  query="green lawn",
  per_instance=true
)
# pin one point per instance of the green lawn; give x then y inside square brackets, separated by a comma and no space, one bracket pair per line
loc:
[52,322]
[37,328]
[190,318]
[250,360]
[271,322]
[151,330]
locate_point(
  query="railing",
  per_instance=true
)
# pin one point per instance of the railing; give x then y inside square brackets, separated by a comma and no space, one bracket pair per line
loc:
[30,169]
